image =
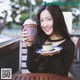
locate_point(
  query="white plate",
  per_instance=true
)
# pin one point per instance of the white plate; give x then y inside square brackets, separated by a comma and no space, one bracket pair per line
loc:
[55,49]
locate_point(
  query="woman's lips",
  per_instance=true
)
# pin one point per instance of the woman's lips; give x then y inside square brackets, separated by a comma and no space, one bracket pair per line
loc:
[47,29]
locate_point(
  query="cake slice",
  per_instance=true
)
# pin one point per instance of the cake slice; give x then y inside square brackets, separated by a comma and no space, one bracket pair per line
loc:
[47,47]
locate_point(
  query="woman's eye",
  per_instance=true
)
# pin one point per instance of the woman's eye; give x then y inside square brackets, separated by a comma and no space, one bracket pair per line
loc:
[41,20]
[45,20]
[49,19]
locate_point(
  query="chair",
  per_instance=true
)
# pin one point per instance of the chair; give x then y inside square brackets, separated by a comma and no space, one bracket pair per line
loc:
[76,41]
[23,58]
[39,76]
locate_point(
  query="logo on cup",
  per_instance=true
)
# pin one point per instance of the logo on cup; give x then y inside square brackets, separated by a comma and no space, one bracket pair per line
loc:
[31,31]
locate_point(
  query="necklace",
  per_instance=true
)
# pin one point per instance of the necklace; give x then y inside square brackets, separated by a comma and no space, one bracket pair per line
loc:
[55,40]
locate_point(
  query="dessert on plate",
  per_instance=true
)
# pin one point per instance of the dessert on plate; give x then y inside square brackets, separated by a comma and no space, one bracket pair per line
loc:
[47,46]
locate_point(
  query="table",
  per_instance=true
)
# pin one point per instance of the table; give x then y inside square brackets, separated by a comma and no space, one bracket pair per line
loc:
[39,76]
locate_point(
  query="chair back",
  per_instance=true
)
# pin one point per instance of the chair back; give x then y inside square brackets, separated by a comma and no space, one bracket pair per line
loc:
[23,58]
[76,41]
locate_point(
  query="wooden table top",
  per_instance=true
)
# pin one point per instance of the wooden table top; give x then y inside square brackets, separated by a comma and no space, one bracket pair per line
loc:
[39,76]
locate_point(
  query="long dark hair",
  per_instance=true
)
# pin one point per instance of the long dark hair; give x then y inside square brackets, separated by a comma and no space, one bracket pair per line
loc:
[59,24]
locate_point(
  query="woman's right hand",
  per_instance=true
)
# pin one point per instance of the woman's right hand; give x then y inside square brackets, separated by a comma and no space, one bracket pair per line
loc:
[25,38]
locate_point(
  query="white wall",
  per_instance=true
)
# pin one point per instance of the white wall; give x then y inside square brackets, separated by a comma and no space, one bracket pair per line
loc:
[68,20]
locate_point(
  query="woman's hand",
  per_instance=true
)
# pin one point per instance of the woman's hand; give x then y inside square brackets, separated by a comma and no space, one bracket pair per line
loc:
[25,38]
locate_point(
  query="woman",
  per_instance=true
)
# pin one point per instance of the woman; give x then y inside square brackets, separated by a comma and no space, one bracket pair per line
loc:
[51,28]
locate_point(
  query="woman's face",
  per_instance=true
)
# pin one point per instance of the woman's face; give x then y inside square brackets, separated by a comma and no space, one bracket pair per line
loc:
[46,22]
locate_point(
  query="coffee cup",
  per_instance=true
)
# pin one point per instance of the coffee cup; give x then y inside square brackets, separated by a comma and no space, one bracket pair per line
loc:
[31,28]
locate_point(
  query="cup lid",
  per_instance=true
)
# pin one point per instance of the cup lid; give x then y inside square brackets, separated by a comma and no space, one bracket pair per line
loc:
[29,21]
